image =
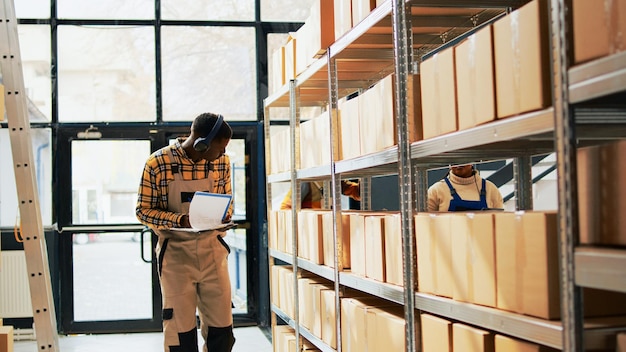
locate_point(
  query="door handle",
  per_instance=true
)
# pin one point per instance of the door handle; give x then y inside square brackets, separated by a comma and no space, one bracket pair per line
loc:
[141,244]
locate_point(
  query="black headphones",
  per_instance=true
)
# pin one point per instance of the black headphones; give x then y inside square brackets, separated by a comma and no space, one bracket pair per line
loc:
[202,144]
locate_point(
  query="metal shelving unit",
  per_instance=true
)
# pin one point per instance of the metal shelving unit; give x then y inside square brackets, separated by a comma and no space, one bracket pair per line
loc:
[392,39]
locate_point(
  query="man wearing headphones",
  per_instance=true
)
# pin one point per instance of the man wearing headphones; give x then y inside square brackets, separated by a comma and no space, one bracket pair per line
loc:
[193,266]
[463,189]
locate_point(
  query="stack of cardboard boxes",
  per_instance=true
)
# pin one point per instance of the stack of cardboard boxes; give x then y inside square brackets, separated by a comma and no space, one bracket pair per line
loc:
[507,261]
[442,335]
[501,70]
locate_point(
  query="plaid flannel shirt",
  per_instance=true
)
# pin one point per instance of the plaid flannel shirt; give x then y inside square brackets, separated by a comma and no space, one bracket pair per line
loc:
[151,209]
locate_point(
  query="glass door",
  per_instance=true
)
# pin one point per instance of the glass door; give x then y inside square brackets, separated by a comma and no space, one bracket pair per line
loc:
[107,280]
[108,271]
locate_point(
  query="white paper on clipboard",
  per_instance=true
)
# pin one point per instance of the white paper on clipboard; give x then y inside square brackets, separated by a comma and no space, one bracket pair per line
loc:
[206,212]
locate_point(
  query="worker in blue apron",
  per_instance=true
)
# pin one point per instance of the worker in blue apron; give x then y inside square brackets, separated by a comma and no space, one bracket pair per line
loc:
[464,190]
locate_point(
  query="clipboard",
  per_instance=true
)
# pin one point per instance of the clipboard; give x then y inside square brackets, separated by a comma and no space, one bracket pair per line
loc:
[206,212]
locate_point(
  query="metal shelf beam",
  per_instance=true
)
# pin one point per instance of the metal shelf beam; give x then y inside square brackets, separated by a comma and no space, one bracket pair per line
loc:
[287,258]
[601,268]
[598,78]
[383,290]
[598,331]
[321,345]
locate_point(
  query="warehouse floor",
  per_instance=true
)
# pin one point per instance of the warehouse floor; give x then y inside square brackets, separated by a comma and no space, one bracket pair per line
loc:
[248,339]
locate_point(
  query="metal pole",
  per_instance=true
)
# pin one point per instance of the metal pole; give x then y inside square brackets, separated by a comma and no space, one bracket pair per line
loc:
[294,129]
[564,124]
[336,191]
[402,37]
[522,173]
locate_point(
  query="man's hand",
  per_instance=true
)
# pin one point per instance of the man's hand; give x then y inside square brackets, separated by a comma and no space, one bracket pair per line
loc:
[184,222]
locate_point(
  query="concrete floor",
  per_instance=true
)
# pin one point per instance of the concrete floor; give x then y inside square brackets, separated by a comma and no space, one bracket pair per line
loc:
[248,339]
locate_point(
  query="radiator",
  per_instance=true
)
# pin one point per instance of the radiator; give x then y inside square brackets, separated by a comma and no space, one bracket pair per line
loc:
[14,291]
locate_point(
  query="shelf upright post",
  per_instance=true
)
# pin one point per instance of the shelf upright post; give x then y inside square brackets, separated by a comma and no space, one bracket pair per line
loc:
[403,50]
[565,132]
[365,186]
[35,248]
[296,201]
[522,170]
[421,188]
[333,86]
[268,190]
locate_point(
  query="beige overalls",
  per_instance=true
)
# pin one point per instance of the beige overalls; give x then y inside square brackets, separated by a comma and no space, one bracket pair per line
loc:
[193,271]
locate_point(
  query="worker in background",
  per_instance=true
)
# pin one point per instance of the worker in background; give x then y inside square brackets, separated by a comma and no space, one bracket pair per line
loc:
[193,266]
[463,189]
[311,194]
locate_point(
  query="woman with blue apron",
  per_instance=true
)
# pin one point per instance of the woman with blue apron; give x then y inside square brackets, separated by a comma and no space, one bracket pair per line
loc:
[464,190]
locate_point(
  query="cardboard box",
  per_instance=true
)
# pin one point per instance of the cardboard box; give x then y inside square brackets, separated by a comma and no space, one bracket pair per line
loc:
[281,334]
[375,247]
[602,194]
[474,258]
[329,315]
[290,58]
[343,231]
[275,286]
[469,339]
[394,273]
[285,231]
[475,84]
[349,129]
[316,293]
[527,267]
[6,339]
[286,291]
[277,73]
[360,9]
[353,321]
[343,17]
[599,28]
[272,229]
[436,334]
[370,116]
[279,142]
[385,329]
[310,239]
[357,243]
[306,300]
[434,253]
[308,145]
[378,114]
[528,281]
[522,60]
[508,344]
[438,92]
[321,34]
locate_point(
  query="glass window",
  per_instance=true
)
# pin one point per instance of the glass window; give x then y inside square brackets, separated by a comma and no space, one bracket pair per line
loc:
[110,9]
[286,10]
[237,153]
[208,10]
[106,74]
[42,158]
[208,69]
[104,189]
[32,8]
[35,55]
[123,290]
